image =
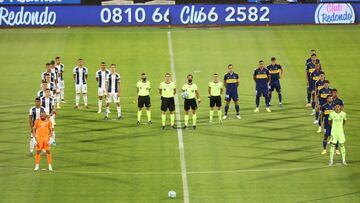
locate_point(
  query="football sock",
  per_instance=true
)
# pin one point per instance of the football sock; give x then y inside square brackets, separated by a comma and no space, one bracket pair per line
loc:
[257,101]
[211,114]
[237,108]
[342,150]
[100,104]
[85,99]
[186,119]
[139,115]
[172,119]
[280,98]
[107,111]
[77,99]
[163,119]
[324,143]
[37,158]
[226,109]
[49,158]
[332,151]
[119,110]
[194,117]
[308,97]
[148,114]
[219,114]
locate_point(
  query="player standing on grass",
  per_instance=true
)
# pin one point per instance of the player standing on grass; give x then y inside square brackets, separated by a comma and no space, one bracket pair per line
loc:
[167,91]
[54,69]
[321,97]
[101,76]
[34,113]
[326,109]
[44,86]
[80,76]
[310,67]
[42,133]
[189,92]
[49,105]
[314,77]
[113,91]
[336,99]
[276,72]
[262,78]
[215,90]
[337,120]
[318,86]
[231,83]
[143,91]
[61,83]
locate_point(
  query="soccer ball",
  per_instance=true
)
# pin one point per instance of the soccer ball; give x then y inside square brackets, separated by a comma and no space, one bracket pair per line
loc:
[184,95]
[172,194]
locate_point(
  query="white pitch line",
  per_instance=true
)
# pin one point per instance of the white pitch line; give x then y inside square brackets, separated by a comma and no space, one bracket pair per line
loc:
[178,124]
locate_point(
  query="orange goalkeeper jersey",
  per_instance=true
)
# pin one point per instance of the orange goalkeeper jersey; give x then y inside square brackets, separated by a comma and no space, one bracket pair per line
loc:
[42,128]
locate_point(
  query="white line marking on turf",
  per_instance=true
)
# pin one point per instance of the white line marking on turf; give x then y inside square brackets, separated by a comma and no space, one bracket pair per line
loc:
[179,129]
[180,173]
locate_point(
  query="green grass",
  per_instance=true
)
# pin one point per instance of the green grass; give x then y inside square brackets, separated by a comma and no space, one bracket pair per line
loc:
[265,157]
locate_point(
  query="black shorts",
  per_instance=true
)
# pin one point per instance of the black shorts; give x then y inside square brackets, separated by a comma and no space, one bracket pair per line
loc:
[190,103]
[167,103]
[215,100]
[144,101]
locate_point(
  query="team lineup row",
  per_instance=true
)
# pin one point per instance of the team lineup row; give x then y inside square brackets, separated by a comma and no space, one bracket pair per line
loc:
[267,79]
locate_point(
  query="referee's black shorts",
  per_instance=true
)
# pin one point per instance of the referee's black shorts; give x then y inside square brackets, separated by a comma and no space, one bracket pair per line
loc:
[167,104]
[190,103]
[144,101]
[215,100]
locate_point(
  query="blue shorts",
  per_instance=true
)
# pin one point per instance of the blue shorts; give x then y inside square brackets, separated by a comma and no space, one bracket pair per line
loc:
[327,130]
[275,85]
[232,96]
[264,91]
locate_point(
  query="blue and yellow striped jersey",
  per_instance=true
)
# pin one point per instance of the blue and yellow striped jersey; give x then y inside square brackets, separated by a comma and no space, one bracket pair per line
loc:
[274,71]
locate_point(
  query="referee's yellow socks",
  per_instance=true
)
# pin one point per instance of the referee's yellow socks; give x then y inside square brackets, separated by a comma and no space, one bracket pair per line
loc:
[163,119]
[211,115]
[139,115]
[194,117]
[172,119]
[148,114]
[186,119]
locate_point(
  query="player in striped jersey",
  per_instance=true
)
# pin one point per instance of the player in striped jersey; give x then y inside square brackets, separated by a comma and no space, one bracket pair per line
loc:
[50,85]
[215,90]
[44,86]
[101,76]
[34,113]
[143,90]
[48,72]
[80,76]
[54,69]
[113,90]
[61,83]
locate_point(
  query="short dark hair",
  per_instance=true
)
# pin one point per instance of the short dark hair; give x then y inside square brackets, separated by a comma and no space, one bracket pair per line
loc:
[313,50]
[113,64]
[273,59]
[216,74]
[103,63]
[37,99]
[230,65]
[334,90]
[327,97]
[47,64]
[326,81]
[313,55]
[143,73]
[261,61]
[167,74]
[190,75]
[80,59]
[58,57]
[46,74]
[52,62]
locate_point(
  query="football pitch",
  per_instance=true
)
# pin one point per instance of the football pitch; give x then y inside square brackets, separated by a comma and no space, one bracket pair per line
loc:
[264,157]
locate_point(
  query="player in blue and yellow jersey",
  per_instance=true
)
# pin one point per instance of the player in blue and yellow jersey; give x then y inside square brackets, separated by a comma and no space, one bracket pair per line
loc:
[310,67]
[313,51]
[314,77]
[336,99]
[262,78]
[326,109]
[321,99]
[231,83]
[276,72]
[318,86]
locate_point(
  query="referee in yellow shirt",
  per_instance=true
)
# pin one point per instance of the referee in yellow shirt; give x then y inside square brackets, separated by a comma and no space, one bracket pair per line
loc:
[215,90]
[143,90]
[167,91]
[189,92]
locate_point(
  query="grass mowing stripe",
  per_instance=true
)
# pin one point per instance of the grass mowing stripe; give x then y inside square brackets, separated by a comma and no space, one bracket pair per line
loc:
[179,129]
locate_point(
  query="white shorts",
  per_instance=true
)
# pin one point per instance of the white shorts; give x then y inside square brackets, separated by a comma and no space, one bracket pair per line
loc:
[61,84]
[81,89]
[101,91]
[111,97]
